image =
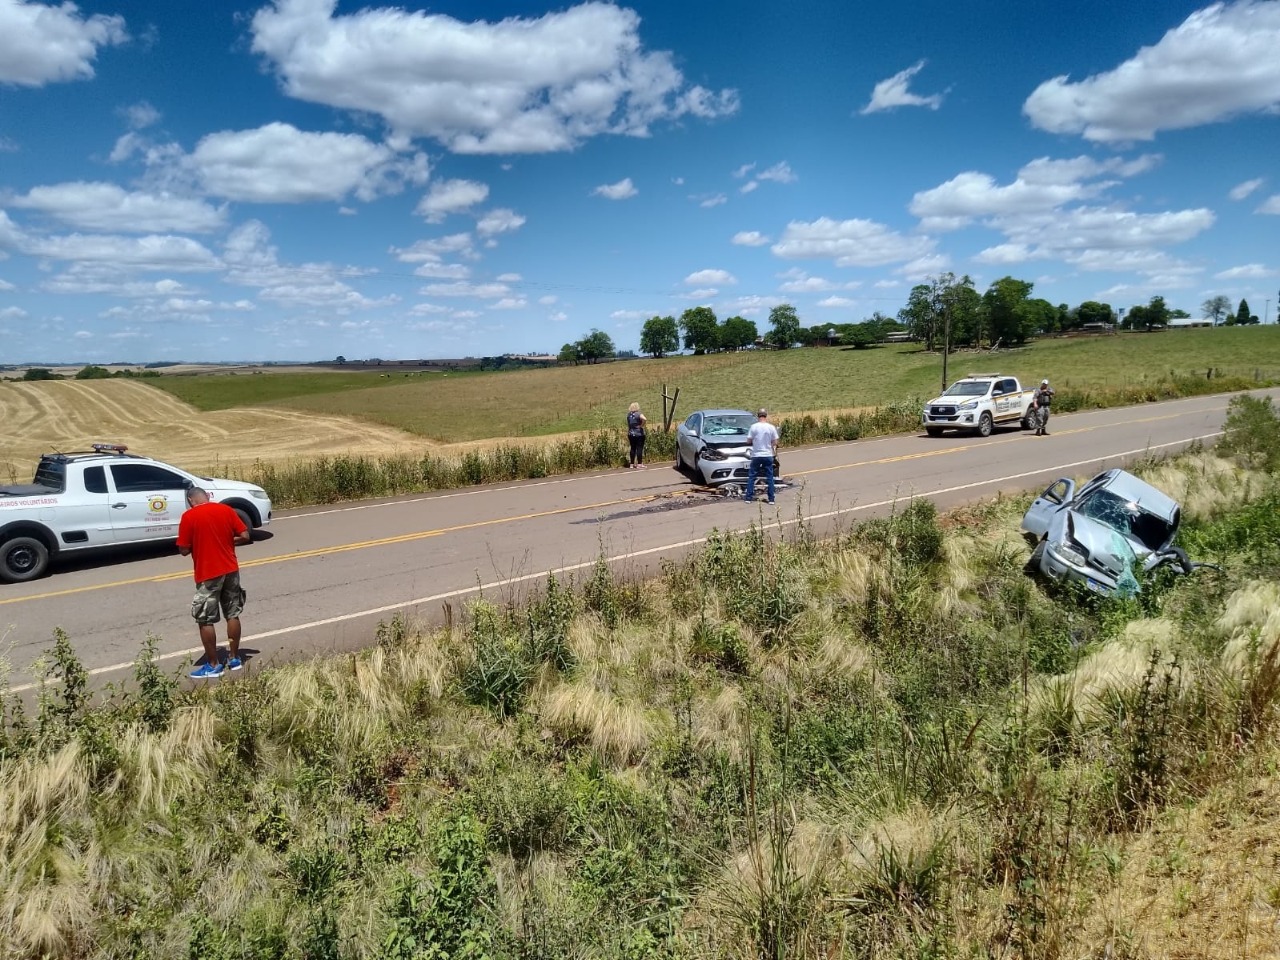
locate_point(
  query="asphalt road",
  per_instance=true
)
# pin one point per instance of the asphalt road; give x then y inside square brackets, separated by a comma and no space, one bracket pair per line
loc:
[325,576]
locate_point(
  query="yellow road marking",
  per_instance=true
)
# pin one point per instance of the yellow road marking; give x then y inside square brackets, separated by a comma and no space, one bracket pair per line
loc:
[441,531]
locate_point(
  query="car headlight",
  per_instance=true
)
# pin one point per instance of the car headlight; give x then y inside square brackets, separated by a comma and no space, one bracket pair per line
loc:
[1072,553]
[259,494]
[709,454]
[971,405]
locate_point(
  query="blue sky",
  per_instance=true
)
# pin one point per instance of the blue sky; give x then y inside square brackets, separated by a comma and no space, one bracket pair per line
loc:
[298,179]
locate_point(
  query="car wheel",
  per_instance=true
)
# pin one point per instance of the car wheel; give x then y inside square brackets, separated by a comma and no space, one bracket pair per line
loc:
[1033,562]
[1027,423]
[245,519]
[22,559]
[985,425]
[680,467]
[933,431]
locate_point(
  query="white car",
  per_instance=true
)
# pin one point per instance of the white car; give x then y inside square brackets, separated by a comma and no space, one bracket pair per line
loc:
[714,447]
[101,500]
[978,403]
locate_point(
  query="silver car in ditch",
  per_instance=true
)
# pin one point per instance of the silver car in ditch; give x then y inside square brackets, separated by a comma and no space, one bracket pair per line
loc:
[713,447]
[1104,531]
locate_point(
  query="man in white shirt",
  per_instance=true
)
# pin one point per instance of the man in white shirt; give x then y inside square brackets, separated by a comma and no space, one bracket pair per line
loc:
[764,447]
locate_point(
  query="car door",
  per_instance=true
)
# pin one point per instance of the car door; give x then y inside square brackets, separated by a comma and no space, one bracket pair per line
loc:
[84,520]
[1005,405]
[689,438]
[1038,517]
[146,501]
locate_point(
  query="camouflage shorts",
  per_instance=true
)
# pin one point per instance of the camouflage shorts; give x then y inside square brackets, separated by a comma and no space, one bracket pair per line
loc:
[222,592]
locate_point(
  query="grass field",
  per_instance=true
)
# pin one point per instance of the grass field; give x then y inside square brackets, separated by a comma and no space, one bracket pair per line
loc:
[451,408]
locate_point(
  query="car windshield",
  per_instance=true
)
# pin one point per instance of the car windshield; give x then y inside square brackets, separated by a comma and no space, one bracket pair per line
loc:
[726,425]
[968,388]
[1126,517]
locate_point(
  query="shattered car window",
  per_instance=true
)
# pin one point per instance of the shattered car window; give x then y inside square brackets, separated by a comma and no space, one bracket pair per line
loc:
[967,388]
[1124,516]
[726,426]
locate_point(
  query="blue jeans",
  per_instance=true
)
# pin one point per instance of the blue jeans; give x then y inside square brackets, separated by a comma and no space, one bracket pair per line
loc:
[759,465]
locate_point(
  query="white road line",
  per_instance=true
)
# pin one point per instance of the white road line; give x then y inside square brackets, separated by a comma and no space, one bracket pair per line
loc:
[480,588]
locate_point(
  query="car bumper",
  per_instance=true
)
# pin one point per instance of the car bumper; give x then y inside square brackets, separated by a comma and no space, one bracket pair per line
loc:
[1057,567]
[968,419]
[714,473]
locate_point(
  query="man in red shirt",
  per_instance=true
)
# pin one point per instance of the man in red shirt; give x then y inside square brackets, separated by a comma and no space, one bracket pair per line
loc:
[209,533]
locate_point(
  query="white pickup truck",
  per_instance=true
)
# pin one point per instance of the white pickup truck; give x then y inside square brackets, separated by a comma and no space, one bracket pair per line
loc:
[101,500]
[978,403]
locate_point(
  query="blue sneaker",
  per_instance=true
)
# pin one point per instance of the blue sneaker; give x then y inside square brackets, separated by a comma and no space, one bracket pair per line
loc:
[208,671]
[234,663]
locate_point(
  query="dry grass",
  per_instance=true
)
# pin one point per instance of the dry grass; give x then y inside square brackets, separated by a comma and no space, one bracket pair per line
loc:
[1201,883]
[38,417]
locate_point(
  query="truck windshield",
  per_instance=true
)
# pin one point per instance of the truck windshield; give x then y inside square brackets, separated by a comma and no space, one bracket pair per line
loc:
[968,388]
[51,474]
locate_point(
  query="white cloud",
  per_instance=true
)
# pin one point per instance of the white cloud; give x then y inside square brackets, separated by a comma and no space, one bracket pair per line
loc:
[1242,190]
[1105,228]
[106,207]
[83,335]
[836,302]
[893,92]
[749,238]
[704,277]
[279,163]
[6,286]
[508,278]
[752,305]
[253,262]
[558,317]
[451,196]
[713,201]
[887,284]
[743,170]
[152,252]
[509,303]
[678,181]
[1248,271]
[927,266]
[433,250]
[803,284]
[520,85]
[437,270]
[1218,63]
[482,291]
[778,173]
[630,315]
[140,115]
[703,294]
[622,190]
[40,43]
[751,186]
[499,220]
[849,243]
[548,300]
[1270,205]
[427,309]
[12,313]
[1041,185]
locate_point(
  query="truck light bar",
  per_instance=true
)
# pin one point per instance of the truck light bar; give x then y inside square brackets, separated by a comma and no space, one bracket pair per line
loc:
[110,447]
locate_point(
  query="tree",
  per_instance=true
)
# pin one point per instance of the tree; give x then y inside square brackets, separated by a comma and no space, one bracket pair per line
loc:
[41,373]
[595,346]
[1036,315]
[738,332]
[93,373]
[700,330]
[569,354]
[659,336]
[1216,309]
[959,303]
[1091,311]
[341,359]
[1147,316]
[919,315]
[1243,316]
[785,325]
[1002,305]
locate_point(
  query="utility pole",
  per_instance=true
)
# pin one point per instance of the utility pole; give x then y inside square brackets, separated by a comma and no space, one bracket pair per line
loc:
[946,341]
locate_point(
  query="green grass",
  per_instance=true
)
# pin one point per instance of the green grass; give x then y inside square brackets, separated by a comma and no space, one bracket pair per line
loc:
[457,407]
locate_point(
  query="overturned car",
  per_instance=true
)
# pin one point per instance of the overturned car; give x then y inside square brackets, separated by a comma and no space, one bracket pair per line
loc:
[1102,533]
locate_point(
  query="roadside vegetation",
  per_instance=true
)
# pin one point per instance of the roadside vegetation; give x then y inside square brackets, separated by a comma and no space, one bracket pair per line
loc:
[889,744]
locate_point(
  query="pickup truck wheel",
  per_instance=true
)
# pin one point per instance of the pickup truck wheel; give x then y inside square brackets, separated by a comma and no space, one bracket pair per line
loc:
[985,425]
[1028,423]
[933,431]
[22,559]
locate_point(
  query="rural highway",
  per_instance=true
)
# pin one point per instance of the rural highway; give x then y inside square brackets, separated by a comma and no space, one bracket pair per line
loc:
[326,575]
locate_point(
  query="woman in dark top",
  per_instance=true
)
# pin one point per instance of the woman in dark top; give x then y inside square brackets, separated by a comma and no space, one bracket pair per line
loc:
[635,433]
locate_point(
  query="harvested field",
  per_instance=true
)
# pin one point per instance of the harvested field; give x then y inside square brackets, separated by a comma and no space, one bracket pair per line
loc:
[69,415]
